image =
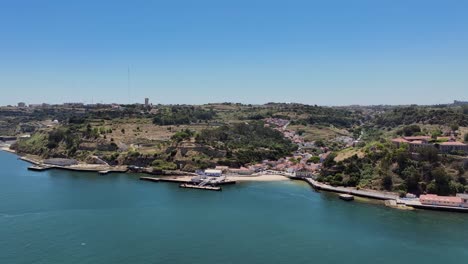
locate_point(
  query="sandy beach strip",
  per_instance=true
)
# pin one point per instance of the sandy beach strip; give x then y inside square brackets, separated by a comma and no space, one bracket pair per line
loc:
[7,149]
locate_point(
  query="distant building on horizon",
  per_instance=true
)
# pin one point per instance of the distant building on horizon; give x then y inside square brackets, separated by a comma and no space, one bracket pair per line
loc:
[146,101]
[77,104]
[22,104]
[459,103]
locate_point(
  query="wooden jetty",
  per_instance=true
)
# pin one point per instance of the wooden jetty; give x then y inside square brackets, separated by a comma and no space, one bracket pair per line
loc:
[205,187]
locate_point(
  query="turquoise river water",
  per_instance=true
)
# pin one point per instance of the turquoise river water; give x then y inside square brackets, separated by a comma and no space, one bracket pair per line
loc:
[67,217]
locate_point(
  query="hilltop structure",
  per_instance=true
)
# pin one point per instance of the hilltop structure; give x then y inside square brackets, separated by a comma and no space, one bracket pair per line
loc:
[445,145]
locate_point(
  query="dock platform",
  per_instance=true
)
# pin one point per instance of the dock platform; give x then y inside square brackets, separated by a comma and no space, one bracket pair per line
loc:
[206,187]
[180,181]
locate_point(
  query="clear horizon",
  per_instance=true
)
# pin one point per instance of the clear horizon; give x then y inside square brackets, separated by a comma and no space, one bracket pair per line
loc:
[312,52]
[213,103]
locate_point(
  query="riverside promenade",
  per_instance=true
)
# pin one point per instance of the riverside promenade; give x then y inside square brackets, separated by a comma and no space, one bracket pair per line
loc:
[411,203]
[360,193]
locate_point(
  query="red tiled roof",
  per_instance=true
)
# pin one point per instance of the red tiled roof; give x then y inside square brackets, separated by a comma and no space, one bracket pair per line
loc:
[436,198]
[417,138]
[444,138]
[400,140]
[452,144]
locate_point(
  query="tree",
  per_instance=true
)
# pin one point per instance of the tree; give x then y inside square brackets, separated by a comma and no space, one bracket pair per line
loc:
[387,182]
[319,143]
[409,130]
[314,159]
[442,181]
[403,158]
[429,153]
[182,135]
[465,109]
[412,177]
[330,161]
[466,137]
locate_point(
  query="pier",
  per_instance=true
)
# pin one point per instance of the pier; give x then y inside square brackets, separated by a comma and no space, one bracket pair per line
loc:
[206,187]
[209,183]
[182,180]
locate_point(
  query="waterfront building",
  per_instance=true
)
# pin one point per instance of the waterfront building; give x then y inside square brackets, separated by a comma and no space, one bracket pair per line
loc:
[304,173]
[222,168]
[464,198]
[241,171]
[432,199]
[213,173]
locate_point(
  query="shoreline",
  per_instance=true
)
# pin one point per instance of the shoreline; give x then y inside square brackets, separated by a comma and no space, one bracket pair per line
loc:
[122,169]
[368,194]
[7,149]
[79,167]
[260,178]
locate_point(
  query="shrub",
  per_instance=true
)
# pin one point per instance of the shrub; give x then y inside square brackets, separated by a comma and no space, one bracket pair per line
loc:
[314,159]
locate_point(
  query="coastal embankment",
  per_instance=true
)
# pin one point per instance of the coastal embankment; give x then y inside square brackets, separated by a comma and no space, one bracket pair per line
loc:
[40,165]
[394,201]
[343,190]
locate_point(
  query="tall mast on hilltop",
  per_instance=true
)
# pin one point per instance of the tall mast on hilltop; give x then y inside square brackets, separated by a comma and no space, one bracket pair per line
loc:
[128,85]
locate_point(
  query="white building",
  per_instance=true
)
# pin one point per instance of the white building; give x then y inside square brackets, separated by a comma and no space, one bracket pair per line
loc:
[464,198]
[213,173]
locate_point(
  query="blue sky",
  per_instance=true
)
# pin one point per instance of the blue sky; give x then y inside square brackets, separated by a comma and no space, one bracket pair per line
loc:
[252,51]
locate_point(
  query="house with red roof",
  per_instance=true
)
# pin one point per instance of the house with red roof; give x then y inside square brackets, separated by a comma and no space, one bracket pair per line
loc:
[449,147]
[464,198]
[418,142]
[450,201]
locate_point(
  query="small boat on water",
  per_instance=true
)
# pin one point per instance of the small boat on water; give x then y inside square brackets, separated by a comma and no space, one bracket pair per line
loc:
[103,172]
[346,197]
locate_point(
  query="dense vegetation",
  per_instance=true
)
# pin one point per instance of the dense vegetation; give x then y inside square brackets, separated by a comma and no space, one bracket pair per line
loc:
[318,115]
[426,115]
[247,142]
[178,115]
[197,137]
[396,169]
